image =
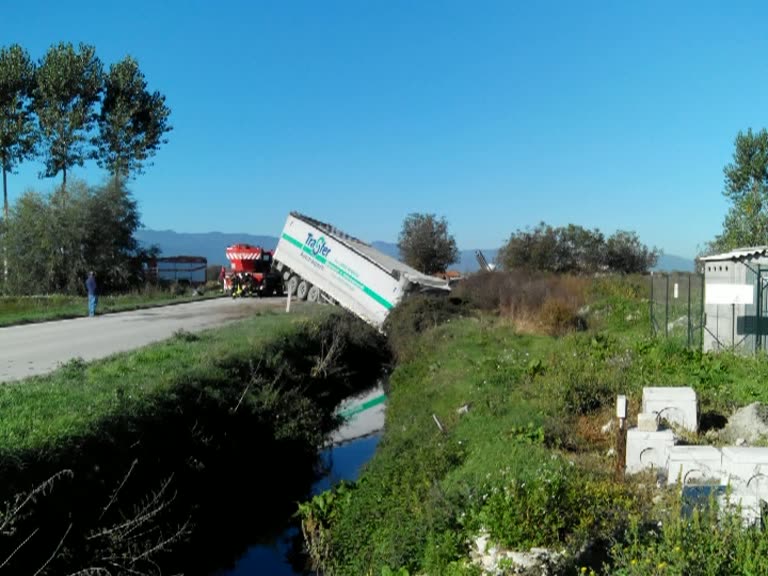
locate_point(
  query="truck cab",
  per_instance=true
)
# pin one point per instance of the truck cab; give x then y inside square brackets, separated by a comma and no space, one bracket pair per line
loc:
[251,272]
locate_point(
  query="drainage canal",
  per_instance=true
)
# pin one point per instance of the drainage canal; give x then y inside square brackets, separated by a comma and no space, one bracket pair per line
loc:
[350,447]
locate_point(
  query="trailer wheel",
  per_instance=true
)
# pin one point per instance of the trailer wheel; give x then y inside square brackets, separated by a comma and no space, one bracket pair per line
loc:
[314,294]
[303,290]
[292,284]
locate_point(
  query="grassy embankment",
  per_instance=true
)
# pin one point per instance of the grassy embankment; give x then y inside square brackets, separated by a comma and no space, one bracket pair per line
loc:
[28,309]
[519,453]
[165,460]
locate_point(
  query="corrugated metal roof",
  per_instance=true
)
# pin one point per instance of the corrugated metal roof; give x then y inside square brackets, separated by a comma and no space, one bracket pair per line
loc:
[737,254]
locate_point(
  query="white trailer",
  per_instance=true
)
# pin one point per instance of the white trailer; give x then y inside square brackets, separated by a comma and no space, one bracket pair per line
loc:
[321,263]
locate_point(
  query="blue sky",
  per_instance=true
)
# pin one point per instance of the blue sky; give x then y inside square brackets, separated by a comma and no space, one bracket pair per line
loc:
[496,115]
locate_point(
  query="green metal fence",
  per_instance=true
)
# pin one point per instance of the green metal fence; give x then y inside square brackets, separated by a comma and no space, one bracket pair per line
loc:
[677,306]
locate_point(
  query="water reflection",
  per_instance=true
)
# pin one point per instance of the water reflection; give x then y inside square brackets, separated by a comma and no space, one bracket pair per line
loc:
[344,463]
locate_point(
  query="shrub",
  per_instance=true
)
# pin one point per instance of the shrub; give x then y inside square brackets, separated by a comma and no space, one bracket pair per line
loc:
[704,541]
[556,507]
[559,317]
[178,289]
[416,315]
[547,300]
[587,377]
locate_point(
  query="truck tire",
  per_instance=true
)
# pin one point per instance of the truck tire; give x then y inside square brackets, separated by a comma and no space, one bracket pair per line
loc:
[292,284]
[303,290]
[314,294]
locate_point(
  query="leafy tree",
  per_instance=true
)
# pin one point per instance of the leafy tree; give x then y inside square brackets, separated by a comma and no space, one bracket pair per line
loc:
[625,253]
[53,241]
[583,250]
[576,250]
[109,245]
[29,245]
[17,126]
[746,187]
[535,249]
[132,121]
[425,244]
[566,249]
[68,85]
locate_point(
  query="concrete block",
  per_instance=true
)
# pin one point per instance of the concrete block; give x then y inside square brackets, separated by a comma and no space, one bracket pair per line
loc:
[746,464]
[694,464]
[648,449]
[647,422]
[748,499]
[675,404]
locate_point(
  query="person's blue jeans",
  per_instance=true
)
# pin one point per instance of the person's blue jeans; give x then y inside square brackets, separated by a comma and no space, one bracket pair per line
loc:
[92,301]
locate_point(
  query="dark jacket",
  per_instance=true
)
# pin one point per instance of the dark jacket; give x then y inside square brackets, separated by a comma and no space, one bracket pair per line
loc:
[90,284]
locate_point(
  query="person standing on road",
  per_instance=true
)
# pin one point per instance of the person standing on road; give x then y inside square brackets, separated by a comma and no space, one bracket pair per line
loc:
[93,297]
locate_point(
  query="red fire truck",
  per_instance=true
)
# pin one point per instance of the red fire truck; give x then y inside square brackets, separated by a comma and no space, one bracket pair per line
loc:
[250,272]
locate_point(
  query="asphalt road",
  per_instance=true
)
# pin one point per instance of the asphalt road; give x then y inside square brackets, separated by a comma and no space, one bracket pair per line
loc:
[33,349]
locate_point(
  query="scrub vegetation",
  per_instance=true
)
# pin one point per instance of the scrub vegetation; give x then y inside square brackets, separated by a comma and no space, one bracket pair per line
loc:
[494,430]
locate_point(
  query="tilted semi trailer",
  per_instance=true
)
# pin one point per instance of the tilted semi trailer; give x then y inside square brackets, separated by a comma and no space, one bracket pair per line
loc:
[321,263]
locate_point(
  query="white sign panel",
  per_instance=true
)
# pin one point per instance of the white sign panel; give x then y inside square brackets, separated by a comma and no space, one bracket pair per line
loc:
[621,406]
[729,294]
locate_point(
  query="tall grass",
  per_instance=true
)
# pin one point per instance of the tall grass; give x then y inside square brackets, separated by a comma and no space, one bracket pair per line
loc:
[533,301]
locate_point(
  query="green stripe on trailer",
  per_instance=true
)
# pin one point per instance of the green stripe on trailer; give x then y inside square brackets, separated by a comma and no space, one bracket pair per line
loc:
[339,271]
[349,412]
[292,240]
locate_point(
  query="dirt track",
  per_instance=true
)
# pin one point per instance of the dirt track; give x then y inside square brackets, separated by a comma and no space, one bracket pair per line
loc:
[39,348]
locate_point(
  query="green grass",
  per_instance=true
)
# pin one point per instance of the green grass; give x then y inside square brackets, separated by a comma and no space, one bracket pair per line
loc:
[27,309]
[530,438]
[204,414]
[71,401]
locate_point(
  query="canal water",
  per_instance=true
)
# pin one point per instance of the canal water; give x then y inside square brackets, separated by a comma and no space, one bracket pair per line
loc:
[280,558]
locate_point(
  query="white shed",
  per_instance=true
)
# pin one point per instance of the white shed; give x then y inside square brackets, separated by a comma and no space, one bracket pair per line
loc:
[735,299]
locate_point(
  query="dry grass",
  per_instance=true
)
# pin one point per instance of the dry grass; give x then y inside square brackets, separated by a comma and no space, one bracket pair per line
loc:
[536,303]
[589,429]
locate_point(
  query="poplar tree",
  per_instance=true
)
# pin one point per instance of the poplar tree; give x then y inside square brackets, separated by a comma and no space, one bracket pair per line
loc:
[132,122]
[17,126]
[68,86]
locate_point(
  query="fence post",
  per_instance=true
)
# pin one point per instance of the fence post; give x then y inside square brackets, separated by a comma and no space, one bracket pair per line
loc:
[690,327]
[666,310]
[653,320]
[701,312]
[758,311]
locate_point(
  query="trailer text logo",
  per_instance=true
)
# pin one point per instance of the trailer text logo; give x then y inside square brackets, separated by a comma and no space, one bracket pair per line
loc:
[317,246]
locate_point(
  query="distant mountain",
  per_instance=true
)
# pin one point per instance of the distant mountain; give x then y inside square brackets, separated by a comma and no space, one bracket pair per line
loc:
[212,245]
[671,263]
